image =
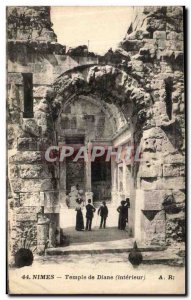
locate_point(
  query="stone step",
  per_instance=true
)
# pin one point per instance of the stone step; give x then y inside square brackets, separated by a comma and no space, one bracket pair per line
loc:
[151,255]
[98,248]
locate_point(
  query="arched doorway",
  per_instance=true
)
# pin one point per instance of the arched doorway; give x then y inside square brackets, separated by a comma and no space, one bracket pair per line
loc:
[122,110]
[88,121]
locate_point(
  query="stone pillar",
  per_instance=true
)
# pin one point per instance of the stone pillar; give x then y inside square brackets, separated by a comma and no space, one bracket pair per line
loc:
[124,179]
[62,185]
[88,193]
[52,234]
[42,233]
[136,214]
[62,188]
[114,192]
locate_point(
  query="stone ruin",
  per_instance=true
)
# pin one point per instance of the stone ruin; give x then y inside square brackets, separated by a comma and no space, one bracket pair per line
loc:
[140,85]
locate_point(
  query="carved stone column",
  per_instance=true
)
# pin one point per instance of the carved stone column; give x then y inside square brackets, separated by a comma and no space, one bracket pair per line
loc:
[42,233]
[52,234]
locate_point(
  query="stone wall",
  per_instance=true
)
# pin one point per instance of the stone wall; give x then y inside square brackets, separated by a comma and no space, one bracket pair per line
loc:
[145,83]
[153,48]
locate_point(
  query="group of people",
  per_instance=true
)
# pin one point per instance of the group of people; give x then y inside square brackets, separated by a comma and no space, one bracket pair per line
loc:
[102,212]
[90,209]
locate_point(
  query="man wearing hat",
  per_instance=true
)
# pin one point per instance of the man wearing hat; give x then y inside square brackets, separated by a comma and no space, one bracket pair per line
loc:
[103,212]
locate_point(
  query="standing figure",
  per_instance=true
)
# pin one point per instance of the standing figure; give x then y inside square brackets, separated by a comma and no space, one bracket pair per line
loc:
[90,209]
[127,205]
[79,216]
[103,212]
[122,216]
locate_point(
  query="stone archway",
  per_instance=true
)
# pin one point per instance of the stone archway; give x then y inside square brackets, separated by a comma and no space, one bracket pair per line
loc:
[149,125]
[120,94]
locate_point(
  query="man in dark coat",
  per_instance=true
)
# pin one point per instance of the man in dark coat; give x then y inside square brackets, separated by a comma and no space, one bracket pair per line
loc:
[122,216]
[127,205]
[90,209]
[103,212]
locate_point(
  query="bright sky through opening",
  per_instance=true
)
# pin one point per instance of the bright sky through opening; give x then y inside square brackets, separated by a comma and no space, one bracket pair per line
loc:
[101,27]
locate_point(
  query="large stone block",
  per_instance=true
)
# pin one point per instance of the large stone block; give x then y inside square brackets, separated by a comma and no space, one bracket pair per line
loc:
[153,24]
[138,35]
[159,110]
[166,67]
[26,214]
[175,228]
[155,10]
[174,45]
[174,13]
[15,78]
[40,91]
[150,169]
[159,94]
[26,157]
[51,202]
[30,199]
[167,56]
[153,226]
[30,126]
[174,182]
[159,35]
[13,171]
[175,36]
[24,144]
[137,65]
[158,84]
[153,133]
[44,78]
[153,200]
[174,157]
[179,196]
[161,45]
[31,185]
[35,171]
[132,45]
[171,170]
[175,26]
[151,183]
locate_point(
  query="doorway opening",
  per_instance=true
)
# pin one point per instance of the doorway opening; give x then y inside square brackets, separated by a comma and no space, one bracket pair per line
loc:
[101,180]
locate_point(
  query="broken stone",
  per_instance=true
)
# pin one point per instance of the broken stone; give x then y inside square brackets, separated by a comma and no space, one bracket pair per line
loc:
[175,36]
[132,45]
[24,144]
[153,24]
[171,182]
[35,171]
[31,185]
[171,170]
[150,169]
[26,214]
[159,35]
[174,45]
[30,126]
[29,157]
[40,91]
[30,199]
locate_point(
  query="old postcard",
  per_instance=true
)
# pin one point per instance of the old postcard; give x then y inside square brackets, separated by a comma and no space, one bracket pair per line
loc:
[95,150]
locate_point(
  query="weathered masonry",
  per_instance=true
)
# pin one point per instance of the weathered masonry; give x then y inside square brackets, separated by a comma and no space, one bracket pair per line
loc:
[134,95]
